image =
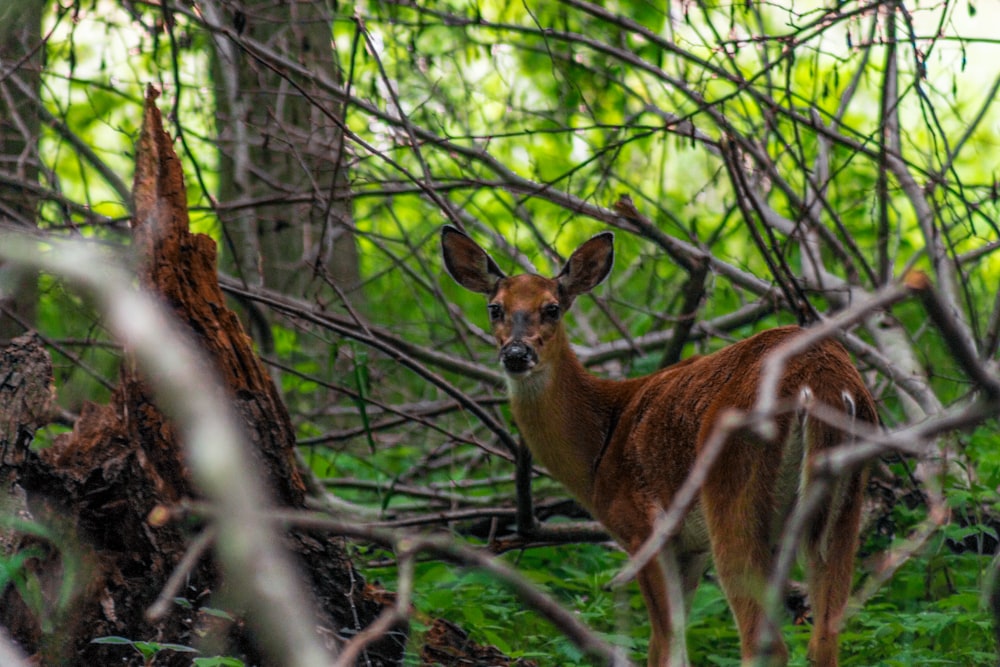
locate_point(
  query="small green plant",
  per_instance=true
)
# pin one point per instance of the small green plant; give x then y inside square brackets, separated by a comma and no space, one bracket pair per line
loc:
[15,570]
[148,650]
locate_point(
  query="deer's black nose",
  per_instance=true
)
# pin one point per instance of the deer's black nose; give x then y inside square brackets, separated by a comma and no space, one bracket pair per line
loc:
[517,357]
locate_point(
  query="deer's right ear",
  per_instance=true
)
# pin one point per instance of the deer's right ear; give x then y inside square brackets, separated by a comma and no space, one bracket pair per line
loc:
[467,263]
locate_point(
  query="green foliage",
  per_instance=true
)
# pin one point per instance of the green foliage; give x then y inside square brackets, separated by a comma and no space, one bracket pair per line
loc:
[524,84]
[885,632]
[83,358]
[576,576]
[930,613]
[49,606]
[148,650]
[13,571]
[217,661]
[906,623]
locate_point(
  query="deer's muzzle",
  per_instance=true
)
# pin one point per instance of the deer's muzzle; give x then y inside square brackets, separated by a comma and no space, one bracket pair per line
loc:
[518,357]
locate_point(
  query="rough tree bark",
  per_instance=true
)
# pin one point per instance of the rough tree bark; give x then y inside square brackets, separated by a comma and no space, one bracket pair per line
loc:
[20,37]
[96,488]
[282,146]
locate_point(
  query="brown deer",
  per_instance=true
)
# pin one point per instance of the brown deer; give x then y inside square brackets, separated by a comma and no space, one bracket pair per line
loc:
[623,448]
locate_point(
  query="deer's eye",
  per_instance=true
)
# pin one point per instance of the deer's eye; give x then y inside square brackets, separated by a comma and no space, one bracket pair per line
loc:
[495,310]
[550,311]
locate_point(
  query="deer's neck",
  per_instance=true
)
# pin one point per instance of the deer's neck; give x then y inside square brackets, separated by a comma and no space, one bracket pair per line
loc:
[566,415]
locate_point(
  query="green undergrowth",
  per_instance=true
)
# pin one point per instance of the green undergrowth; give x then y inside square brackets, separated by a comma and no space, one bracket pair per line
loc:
[930,613]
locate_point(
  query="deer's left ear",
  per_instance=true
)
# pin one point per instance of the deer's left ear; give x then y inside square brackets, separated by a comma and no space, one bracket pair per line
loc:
[588,265]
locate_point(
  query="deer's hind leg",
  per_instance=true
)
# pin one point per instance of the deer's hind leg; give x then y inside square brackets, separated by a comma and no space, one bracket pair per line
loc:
[831,550]
[737,498]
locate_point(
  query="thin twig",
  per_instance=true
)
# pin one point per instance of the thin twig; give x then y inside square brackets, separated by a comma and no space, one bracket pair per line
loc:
[195,552]
[395,616]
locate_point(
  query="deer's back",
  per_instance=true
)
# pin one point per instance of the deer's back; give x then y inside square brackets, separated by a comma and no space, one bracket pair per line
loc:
[671,413]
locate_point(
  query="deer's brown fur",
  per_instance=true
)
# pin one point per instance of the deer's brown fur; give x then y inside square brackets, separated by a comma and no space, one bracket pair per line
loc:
[623,448]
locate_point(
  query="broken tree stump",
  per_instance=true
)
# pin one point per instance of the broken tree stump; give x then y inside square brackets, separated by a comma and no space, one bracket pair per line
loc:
[101,561]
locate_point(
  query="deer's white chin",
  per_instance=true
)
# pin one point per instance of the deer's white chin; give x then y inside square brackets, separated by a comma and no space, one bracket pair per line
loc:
[527,383]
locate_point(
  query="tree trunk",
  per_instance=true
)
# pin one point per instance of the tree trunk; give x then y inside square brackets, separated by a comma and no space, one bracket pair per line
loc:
[104,550]
[20,42]
[283,146]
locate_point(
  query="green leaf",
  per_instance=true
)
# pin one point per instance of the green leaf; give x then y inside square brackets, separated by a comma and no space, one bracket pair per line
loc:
[179,648]
[112,639]
[218,613]
[218,661]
